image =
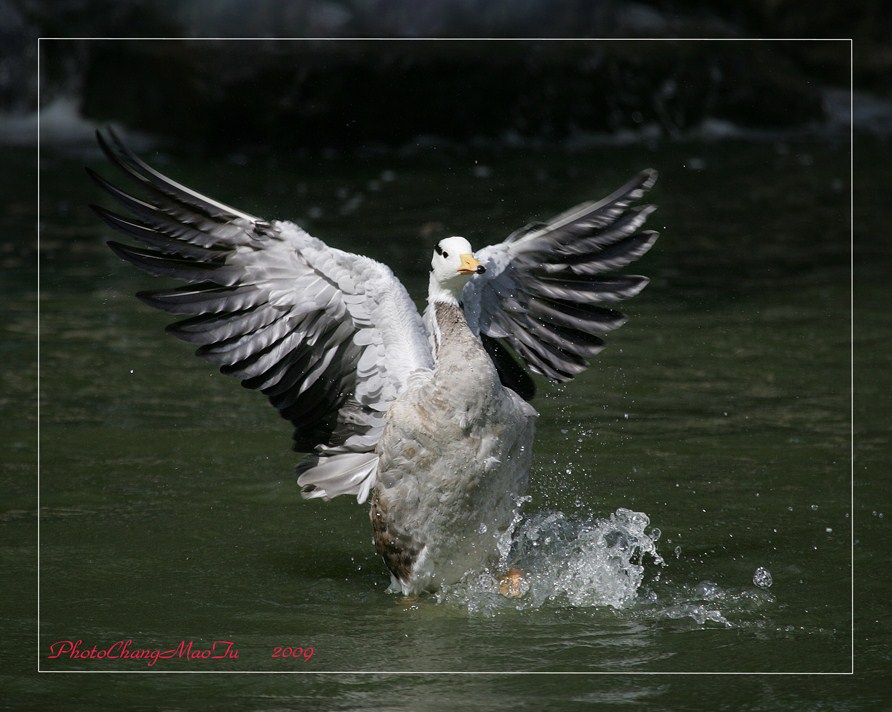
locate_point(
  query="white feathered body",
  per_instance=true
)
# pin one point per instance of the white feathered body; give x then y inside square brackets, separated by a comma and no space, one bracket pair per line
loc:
[454,458]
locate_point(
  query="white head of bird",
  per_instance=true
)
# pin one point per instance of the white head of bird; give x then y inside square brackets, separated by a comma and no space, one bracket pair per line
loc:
[452,264]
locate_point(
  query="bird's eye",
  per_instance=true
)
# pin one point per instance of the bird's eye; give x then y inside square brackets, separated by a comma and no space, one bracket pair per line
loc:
[445,254]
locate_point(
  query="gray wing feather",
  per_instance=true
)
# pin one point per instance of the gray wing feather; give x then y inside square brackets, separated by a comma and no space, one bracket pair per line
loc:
[545,287]
[329,337]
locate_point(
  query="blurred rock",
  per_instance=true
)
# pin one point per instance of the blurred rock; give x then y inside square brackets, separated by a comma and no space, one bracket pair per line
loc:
[344,94]
[349,94]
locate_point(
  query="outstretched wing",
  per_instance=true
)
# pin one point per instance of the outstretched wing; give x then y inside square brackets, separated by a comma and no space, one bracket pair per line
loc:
[330,337]
[544,288]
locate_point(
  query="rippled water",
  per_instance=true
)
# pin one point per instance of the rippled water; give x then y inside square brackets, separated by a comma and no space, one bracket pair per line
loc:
[690,503]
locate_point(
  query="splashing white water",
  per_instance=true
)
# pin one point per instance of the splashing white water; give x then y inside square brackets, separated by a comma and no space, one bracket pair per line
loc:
[582,562]
[612,564]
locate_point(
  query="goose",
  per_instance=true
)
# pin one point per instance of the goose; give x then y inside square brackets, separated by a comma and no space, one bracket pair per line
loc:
[425,416]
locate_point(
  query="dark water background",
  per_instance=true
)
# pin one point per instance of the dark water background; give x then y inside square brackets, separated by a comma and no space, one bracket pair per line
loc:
[722,411]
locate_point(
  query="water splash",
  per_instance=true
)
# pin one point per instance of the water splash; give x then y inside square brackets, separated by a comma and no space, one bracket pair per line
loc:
[604,565]
[706,602]
[582,562]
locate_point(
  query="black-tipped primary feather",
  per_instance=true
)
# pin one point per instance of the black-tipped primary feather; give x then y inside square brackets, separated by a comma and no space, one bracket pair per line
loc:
[587,319]
[203,298]
[157,182]
[158,240]
[565,285]
[616,256]
[162,265]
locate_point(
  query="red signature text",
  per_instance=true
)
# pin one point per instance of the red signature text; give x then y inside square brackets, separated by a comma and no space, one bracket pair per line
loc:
[300,653]
[126,650]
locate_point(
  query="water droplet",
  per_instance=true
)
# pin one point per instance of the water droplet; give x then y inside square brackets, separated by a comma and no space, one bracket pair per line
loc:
[762,578]
[481,529]
[707,590]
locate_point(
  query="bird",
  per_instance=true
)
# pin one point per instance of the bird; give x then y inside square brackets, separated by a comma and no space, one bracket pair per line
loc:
[425,416]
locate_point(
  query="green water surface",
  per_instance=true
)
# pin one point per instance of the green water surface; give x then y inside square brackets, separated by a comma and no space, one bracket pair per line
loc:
[722,410]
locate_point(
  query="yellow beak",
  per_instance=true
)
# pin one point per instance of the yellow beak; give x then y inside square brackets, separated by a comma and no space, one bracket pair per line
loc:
[468,264]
